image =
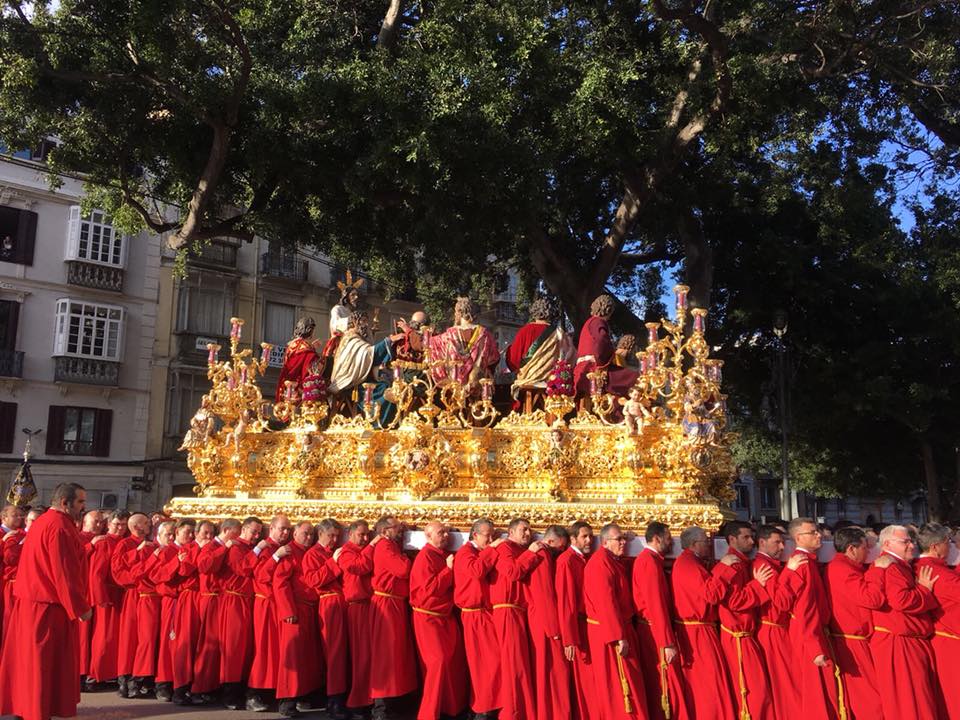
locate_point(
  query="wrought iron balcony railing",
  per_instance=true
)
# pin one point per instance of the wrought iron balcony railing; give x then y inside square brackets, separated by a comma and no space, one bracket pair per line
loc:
[86,371]
[92,275]
[11,363]
[283,265]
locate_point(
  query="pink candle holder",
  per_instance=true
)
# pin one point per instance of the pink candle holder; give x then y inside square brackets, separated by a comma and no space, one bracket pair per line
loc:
[368,394]
[652,335]
[213,353]
[397,372]
[236,325]
[486,390]
[643,364]
[681,292]
[652,360]
[231,383]
[699,320]
[267,348]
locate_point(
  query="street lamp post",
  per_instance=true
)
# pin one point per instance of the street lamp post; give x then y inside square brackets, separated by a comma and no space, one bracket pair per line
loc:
[787,509]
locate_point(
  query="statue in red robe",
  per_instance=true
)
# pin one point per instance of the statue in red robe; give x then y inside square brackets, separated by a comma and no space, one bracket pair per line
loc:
[298,357]
[536,348]
[596,351]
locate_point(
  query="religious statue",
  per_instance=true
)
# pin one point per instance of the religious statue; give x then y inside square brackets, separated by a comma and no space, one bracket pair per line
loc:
[201,426]
[410,348]
[697,420]
[626,350]
[595,351]
[537,348]
[298,357]
[356,360]
[470,349]
[346,306]
[635,412]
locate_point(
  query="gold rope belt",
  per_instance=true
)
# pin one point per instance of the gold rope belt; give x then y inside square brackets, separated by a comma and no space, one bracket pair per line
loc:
[243,595]
[738,636]
[153,594]
[695,622]
[470,609]
[943,633]
[326,595]
[210,594]
[432,613]
[258,595]
[877,628]
[508,605]
[771,623]
[664,694]
[838,678]
[380,593]
[847,636]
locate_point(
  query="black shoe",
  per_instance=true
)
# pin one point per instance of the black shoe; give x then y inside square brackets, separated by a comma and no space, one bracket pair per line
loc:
[335,709]
[181,696]
[255,704]
[379,710]
[164,692]
[290,708]
[122,686]
[89,685]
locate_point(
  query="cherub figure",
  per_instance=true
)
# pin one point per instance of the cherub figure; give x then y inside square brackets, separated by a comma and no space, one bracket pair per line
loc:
[635,411]
[235,436]
[201,426]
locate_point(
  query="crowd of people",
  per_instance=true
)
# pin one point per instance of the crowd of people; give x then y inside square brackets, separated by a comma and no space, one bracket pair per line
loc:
[247,613]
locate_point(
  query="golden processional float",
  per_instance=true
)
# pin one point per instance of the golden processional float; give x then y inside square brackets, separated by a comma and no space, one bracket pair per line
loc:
[660,454]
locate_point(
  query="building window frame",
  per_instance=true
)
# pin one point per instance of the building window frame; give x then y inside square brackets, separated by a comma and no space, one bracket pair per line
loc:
[93,239]
[79,431]
[90,330]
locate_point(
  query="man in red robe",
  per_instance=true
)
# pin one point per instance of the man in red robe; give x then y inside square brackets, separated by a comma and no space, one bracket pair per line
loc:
[206,662]
[934,542]
[143,559]
[234,559]
[901,632]
[472,568]
[393,670]
[595,351]
[572,618]
[263,670]
[739,621]
[696,596]
[186,619]
[853,594]
[323,574]
[299,354]
[773,636]
[516,560]
[613,642]
[39,673]
[815,674]
[658,645]
[91,531]
[550,668]
[437,632]
[356,561]
[123,568]
[163,571]
[11,530]
[300,665]
[12,547]
[107,599]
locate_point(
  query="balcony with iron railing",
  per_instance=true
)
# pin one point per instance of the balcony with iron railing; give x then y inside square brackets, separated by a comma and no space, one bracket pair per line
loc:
[77,447]
[215,254]
[86,371]
[11,363]
[93,275]
[283,266]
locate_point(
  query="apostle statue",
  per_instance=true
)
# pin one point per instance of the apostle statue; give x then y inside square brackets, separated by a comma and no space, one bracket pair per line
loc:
[357,359]
[595,351]
[298,356]
[345,307]
[537,348]
[410,348]
[471,348]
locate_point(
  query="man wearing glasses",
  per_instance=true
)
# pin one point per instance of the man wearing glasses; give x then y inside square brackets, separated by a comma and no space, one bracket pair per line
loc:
[902,631]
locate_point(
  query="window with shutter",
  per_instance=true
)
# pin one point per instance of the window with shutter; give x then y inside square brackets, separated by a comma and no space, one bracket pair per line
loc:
[79,431]
[18,232]
[93,239]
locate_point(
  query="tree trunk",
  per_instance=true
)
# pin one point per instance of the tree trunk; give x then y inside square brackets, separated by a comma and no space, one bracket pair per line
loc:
[934,503]
[698,260]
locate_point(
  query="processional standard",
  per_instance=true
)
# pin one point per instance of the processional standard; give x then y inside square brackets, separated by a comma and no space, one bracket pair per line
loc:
[448,454]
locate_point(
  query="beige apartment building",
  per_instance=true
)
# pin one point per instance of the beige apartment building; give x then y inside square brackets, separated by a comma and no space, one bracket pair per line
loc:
[78,306]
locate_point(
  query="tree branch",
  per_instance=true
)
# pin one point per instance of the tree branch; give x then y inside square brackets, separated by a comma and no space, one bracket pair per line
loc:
[387,39]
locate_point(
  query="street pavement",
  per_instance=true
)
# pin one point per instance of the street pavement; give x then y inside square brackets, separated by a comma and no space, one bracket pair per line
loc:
[107,705]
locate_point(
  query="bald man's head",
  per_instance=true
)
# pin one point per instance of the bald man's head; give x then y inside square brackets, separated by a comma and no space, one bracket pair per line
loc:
[437,534]
[139,525]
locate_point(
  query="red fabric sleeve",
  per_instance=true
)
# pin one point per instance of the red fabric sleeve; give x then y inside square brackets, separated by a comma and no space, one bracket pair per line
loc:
[567,610]
[283,588]
[66,553]
[904,594]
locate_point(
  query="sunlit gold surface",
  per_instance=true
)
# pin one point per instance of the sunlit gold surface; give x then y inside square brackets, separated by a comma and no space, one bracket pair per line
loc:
[450,457]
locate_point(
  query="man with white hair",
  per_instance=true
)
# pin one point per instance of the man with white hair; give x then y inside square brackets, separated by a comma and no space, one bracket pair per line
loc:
[901,630]
[934,548]
[696,597]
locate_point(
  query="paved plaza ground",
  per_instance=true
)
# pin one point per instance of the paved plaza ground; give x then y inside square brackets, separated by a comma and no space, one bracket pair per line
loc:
[109,706]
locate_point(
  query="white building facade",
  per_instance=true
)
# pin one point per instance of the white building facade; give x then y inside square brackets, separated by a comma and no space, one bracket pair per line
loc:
[78,312]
